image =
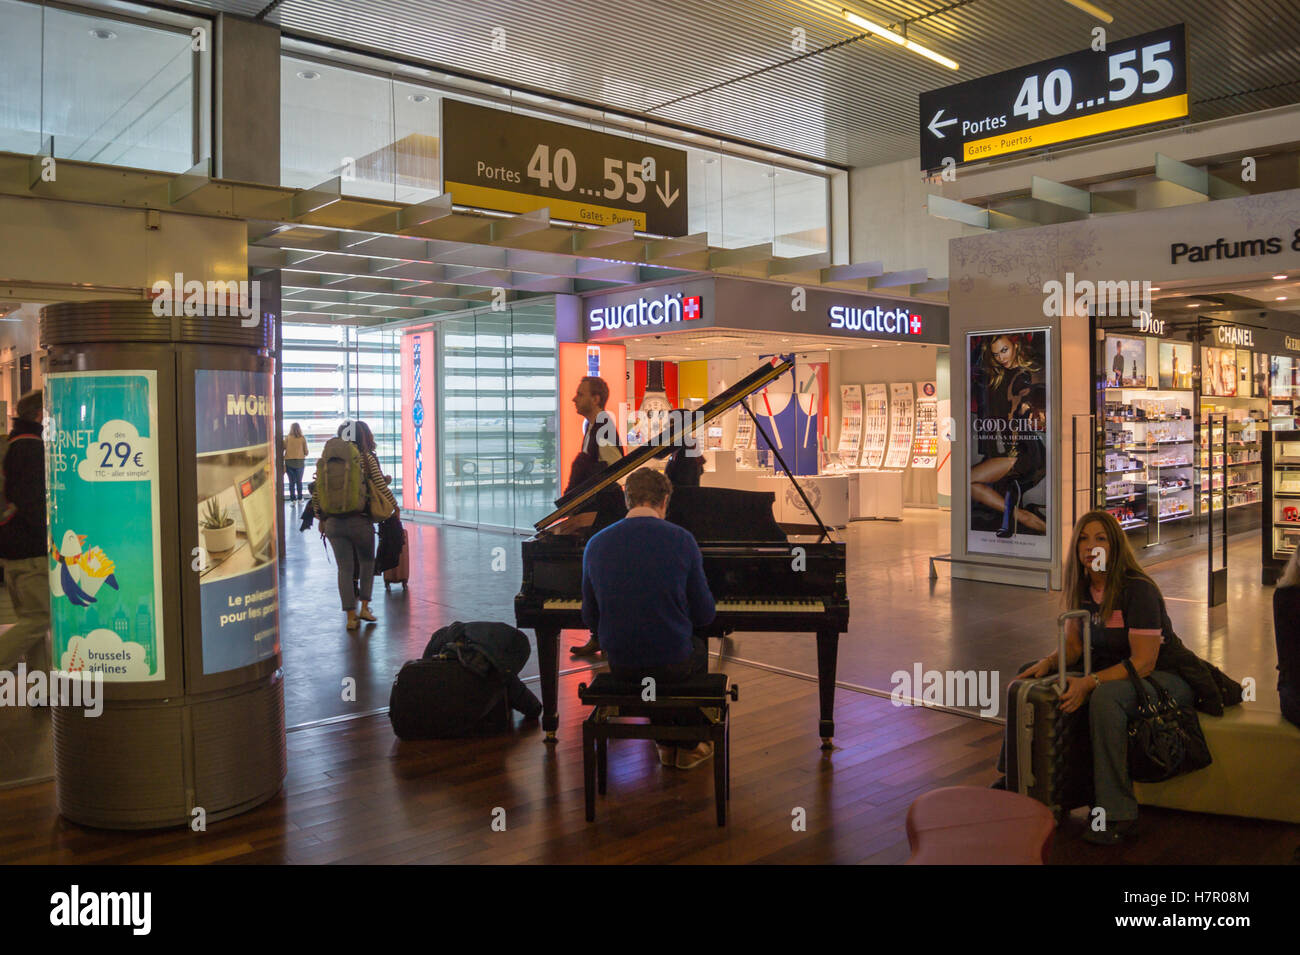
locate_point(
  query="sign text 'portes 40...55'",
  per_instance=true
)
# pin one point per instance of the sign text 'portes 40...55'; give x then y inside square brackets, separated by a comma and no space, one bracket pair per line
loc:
[1140,81]
[511,163]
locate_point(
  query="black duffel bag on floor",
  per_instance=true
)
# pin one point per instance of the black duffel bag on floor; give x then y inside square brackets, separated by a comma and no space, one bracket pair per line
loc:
[1164,739]
[442,699]
[465,684]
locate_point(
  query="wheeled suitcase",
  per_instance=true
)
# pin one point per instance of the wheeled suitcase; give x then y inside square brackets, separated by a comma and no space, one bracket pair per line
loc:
[402,572]
[1048,752]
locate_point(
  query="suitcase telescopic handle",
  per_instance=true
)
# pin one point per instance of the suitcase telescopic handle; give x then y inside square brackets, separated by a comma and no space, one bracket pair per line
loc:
[1085,619]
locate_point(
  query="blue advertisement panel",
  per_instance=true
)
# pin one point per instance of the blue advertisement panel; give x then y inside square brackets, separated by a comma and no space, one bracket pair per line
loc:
[105,548]
[238,592]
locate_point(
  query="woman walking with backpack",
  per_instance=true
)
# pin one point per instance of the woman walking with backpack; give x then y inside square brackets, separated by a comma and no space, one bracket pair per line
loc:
[349,494]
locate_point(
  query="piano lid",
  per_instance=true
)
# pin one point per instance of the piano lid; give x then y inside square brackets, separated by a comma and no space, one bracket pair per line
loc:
[680,423]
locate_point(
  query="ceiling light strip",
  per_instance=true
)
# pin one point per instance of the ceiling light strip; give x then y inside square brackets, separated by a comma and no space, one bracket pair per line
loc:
[887,34]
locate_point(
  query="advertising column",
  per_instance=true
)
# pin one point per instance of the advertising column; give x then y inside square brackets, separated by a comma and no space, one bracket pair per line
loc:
[105,550]
[235,485]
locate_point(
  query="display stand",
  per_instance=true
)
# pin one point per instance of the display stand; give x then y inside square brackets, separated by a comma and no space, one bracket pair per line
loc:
[850,446]
[901,417]
[1280,528]
[875,425]
[925,442]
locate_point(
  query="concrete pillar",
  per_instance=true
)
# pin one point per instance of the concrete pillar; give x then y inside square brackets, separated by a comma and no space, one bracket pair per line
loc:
[247,100]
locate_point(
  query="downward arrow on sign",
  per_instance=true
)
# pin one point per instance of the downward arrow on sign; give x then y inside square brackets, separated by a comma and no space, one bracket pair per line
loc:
[671,195]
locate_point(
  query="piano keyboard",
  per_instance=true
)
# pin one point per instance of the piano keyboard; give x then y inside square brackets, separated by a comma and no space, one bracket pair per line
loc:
[723,606]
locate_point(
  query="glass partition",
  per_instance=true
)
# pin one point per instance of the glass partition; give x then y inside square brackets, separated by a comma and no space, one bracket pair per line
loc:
[496,401]
[108,90]
[380,134]
[333,373]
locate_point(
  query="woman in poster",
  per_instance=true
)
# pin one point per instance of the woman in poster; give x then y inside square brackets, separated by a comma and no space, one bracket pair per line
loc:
[1012,407]
[1210,373]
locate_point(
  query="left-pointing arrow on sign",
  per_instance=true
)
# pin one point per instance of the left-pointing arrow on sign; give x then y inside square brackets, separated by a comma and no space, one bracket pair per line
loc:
[935,124]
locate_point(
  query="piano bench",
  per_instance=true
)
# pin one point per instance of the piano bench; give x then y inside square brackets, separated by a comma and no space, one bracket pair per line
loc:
[705,698]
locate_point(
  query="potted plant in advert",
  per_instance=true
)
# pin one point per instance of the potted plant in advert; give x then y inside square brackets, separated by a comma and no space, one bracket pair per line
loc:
[218,528]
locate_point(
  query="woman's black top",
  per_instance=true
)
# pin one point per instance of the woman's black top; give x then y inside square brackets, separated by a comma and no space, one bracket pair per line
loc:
[1140,607]
[1286,630]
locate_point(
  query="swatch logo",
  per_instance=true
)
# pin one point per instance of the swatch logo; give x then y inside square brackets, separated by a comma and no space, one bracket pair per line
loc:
[672,308]
[891,321]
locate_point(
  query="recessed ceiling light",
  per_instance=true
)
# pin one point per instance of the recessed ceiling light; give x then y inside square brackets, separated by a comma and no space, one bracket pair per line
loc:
[99,33]
[308,75]
[1279,277]
[418,98]
[1281,298]
[1193,304]
[1155,288]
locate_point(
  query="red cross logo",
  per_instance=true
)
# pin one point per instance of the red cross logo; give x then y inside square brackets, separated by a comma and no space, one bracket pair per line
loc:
[914,326]
[691,307]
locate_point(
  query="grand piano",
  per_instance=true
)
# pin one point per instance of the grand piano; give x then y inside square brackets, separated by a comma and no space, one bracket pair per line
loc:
[760,579]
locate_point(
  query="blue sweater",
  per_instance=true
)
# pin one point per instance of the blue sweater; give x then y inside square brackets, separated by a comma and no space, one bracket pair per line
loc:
[644,592]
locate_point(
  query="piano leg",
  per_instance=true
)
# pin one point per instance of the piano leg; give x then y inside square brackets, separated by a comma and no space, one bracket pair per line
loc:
[548,652]
[828,645]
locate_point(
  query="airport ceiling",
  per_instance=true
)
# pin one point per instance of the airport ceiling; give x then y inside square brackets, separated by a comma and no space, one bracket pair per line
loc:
[729,67]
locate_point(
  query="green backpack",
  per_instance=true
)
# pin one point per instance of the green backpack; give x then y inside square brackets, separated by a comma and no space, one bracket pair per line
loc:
[340,485]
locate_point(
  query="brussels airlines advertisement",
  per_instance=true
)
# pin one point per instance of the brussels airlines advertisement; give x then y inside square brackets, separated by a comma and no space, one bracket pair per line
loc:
[238,593]
[105,551]
[1009,440]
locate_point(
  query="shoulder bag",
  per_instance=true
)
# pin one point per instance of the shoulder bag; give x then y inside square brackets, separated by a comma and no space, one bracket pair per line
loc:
[1164,739]
[377,503]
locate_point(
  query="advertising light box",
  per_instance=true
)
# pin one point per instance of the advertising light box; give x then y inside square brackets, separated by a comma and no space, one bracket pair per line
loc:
[235,473]
[105,551]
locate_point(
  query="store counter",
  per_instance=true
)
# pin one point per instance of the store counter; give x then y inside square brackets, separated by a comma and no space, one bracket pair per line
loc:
[828,493]
[876,495]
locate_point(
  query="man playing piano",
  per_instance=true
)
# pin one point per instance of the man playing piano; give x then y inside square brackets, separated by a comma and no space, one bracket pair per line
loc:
[644,593]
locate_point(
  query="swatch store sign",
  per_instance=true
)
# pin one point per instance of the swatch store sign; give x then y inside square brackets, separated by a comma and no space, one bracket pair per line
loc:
[670,311]
[878,320]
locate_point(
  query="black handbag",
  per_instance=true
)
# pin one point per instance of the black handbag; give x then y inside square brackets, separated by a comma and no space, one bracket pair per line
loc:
[1164,739]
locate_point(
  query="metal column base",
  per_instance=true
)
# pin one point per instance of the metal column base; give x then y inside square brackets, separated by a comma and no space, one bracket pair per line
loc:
[148,765]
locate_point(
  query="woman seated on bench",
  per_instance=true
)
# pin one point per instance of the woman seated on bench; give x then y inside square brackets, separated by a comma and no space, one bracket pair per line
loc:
[1103,576]
[1286,630]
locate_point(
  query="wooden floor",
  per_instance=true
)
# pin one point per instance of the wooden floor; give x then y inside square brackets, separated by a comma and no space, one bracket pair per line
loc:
[354,794]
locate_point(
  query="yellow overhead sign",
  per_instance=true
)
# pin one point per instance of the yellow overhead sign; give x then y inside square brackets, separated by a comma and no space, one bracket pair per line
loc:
[1096,124]
[485,197]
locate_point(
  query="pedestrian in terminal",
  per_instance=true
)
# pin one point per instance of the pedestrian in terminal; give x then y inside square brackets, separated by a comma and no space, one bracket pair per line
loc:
[295,460]
[347,474]
[601,447]
[23,540]
[1286,630]
[646,622]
